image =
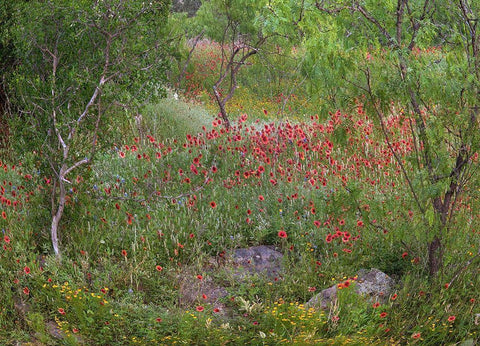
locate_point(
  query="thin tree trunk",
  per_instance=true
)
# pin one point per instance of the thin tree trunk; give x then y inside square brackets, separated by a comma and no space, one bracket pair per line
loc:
[435,256]
[221,105]
[189,57]
[59,213]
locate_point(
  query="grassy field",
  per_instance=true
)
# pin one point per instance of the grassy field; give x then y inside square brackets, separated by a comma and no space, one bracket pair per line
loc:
[179,189]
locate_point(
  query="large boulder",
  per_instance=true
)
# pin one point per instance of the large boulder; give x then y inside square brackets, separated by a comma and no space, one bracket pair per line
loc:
[239,264]
[373,284]
[261,260]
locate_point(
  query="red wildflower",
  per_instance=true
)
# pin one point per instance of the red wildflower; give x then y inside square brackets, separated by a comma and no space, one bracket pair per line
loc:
[26,291]
[158,319]
[200,308]
[213,204]
[359,223]
[405,254]
[204,296]
[6,239]
[26,270]
[199,277]
[122,154]
[4,215]
[75,330]
[416,335]
[261,198]
[61,311]
[451,318]
[376,305]
[124,253]
[282,234]
[383,315]
[216,310]
[394,297]
[159,268]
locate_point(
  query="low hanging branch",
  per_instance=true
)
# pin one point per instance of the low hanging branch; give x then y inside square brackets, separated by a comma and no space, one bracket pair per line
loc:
[231,69]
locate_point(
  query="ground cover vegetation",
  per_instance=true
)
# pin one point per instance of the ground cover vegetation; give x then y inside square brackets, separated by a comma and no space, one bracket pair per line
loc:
[137,144]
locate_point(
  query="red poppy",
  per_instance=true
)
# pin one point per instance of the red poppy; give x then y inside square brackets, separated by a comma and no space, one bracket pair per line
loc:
[122,154]
[6,239]
[405,254]
[394,297]
[75,330]
[204,296]
[216,310]
[124,253]
[213,204]
[26,270]
[199,277]
[416,335]
[383,315]
[26,291]
[359,223]
[376,305]
[451,318]
[61,311]
[200,308]
[282,234]
[158,319]
[4,215]
[261,198]
[159,268]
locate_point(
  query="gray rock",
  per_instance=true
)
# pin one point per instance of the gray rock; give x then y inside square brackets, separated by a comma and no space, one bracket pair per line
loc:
[262,260]
[324,299]
[373,284]
[239,264]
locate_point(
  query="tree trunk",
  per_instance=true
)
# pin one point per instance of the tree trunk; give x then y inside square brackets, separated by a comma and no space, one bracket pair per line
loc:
[221,105]
[58,214]
[435,256]
[4,129]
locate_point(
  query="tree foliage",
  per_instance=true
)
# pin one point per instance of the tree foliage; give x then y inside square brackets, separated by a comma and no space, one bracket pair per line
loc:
[79,62]
[419,58]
